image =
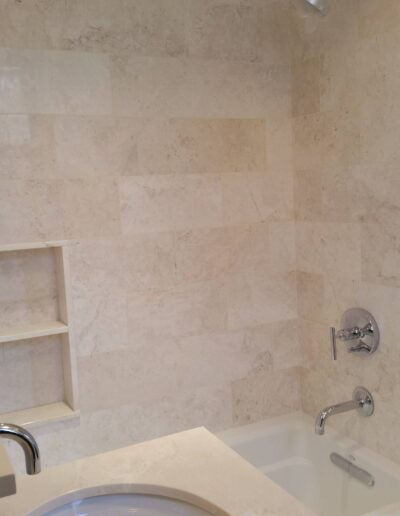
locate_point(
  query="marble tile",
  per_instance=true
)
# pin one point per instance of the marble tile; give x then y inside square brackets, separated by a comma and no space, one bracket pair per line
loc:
[314,343]
[180,87]
[29,293]
[187,309]
[36,310]
[330,249]
[310,291]
[26,147]
[265,394]
[308,195]
[279,144]
[136,422]
[380,262]
[198,146]
[98,281]
[250,198]
[159,87]
[170,203]
[136,381]
[90,208]
[139,28]
[164,260]
[150,261]
[378,143]
[29,211]
[283,246]
[255,297]
[326,194]
[219,358]
[306,86]
[375,17]
[25,25]
[229,31]
[53,82]
[280,340]
[220,253]
[96,147]
[27,275]
[32,374]
[287,351]
[322,139]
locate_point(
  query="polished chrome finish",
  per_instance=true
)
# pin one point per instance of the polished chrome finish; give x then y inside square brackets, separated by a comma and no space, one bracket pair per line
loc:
[360,332]
[365,400]
[333,343]
[321,5]
[362,402]
[331,411]
[27,442]
[354,471]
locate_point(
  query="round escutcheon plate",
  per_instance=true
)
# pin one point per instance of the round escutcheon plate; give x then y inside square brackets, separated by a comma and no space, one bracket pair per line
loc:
[358,317]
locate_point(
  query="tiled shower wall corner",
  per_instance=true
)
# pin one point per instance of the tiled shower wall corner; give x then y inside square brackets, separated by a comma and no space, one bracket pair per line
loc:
[346,108]
[156,136]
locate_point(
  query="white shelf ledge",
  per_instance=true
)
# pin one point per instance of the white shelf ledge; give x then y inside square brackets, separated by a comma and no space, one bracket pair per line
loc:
[32,245]
[30,331]
[37,416]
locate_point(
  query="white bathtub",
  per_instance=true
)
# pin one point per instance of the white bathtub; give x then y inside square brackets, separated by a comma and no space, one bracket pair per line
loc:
[287,451]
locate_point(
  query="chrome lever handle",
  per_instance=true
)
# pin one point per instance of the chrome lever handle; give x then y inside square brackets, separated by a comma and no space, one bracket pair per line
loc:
[359,332]
[361,346]
[333,343]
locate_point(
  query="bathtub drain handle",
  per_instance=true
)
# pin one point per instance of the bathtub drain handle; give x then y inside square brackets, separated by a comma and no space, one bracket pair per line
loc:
[360,474]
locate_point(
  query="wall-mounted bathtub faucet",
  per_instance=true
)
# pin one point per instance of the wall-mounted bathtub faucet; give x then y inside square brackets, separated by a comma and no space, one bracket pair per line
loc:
[27,442]
[362,402]
[360,332]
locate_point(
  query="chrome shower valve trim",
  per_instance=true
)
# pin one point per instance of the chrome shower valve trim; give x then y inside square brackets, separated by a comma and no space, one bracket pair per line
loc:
[360,332]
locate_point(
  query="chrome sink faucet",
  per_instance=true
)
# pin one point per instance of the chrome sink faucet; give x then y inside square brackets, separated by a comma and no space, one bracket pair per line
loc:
[27,442]
[362,402]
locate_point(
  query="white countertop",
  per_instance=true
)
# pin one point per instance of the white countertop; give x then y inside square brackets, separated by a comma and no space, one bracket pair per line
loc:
[194,462]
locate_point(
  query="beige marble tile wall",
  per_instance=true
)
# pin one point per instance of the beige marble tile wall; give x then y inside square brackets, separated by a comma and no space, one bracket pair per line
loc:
[347,189]
[156,136]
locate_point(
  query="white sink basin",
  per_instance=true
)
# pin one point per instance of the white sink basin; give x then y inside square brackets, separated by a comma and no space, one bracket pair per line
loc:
[127,504]
[120,504]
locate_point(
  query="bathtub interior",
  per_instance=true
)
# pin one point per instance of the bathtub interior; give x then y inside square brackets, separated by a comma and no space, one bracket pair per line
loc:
[291,455]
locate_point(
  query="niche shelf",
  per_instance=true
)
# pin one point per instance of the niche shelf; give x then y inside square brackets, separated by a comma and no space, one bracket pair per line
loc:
[30,331]
[68,408]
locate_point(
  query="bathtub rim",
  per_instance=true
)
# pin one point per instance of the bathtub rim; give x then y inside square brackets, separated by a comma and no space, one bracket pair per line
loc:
[301,421]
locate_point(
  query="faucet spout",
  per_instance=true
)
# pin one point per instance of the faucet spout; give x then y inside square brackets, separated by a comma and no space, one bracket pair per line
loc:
[27,442]
[362,402]
[331,411]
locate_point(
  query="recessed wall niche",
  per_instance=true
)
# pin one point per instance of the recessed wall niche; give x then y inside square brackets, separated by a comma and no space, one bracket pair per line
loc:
[38,378]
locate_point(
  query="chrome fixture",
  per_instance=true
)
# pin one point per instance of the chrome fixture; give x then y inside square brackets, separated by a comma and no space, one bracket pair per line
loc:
[362,402]
[354,471]
[360,332]
[27,442]
[321,5]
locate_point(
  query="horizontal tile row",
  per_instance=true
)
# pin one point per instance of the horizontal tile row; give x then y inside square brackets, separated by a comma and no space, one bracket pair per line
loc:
[78,208]
[85,84]
[228,30]
[41,146]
